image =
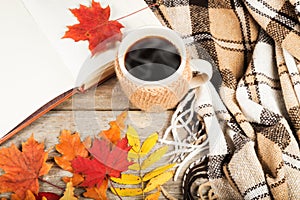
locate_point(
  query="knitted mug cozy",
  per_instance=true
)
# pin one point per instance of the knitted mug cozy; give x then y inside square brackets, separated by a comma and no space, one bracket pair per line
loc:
[155,97]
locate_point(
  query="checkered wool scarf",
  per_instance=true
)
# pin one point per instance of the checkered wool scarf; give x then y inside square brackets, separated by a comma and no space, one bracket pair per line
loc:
[251,107]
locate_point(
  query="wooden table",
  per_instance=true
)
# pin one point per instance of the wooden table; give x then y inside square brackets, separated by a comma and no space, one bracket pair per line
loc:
[89,113]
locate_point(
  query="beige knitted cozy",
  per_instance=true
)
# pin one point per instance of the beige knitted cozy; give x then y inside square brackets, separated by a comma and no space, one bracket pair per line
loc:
[155,97]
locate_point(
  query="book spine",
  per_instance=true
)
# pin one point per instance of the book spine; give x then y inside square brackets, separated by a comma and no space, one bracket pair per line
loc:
[41,111]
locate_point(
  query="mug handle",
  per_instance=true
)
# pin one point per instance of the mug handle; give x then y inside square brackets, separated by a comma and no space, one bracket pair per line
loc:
[202,72]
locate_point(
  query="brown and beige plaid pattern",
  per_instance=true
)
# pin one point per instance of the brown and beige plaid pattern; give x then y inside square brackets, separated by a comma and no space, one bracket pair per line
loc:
[254,46]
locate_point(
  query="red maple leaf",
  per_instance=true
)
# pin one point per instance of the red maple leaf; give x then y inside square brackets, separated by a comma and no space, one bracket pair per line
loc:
[93,170]
[108,160]
[94,26]
[47,195]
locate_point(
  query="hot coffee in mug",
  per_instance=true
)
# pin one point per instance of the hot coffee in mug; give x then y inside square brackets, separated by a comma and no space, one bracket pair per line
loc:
[152,59]
[154,70]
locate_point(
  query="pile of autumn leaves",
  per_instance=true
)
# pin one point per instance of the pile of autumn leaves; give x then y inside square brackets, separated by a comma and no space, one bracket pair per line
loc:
[93,164]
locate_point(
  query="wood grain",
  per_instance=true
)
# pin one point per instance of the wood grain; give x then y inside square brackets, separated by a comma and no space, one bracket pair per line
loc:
[88,113]
[107,96]
[89,123]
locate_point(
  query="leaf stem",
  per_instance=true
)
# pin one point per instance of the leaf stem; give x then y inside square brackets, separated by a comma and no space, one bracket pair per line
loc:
[150,6]
[137,11]
[45,181]
[140,174]
[113,187]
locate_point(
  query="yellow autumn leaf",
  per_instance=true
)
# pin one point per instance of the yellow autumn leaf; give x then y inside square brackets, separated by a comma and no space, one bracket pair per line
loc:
[134,166]
[69,193]
[126,192]
[153,196]
[133,139]
[158,180]
[154,157]
[148,144]
[157,171]
[132,155]
[127,179]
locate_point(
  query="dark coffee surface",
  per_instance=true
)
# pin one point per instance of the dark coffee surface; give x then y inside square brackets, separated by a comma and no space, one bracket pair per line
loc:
[152,59]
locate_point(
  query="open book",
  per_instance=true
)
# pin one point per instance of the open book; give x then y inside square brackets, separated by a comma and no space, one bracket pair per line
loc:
[39,69]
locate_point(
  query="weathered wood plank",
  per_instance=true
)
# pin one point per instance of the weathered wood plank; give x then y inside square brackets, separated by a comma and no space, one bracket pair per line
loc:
[107,96]
[89,123]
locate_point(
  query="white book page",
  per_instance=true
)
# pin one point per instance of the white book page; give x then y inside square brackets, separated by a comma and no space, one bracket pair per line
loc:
[53,16]
[31,71]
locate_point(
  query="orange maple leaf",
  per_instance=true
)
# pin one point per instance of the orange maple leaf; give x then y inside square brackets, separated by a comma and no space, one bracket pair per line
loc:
[70,147]
[98,193]
[76,179]
[113,134]
[29,196]
[23,168]
[94,26]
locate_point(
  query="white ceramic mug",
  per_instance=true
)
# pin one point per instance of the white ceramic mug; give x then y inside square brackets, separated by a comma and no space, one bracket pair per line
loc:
[161,91]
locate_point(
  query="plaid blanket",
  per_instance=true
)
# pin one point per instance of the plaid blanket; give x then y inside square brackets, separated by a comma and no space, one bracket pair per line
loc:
[251,108]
